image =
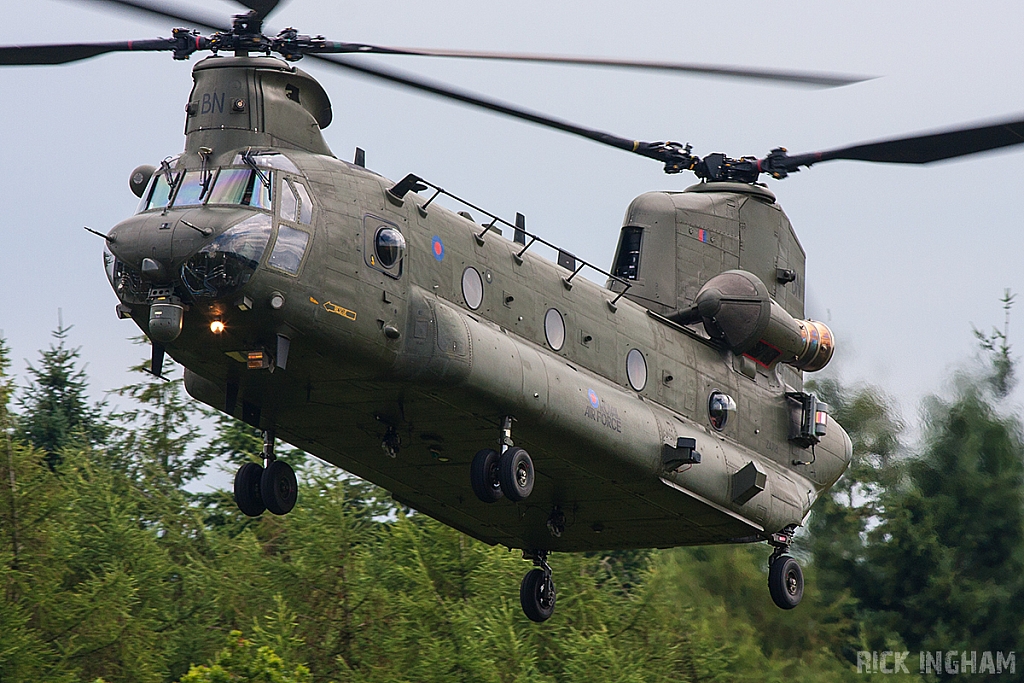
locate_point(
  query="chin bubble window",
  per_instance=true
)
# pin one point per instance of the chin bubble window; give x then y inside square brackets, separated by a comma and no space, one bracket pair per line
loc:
[289,249]
[229,261]
[720,408]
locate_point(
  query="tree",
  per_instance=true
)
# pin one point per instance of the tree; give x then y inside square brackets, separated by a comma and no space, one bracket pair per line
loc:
[842,516]
[943,568]
[156,436]
[55,410]
[243,661]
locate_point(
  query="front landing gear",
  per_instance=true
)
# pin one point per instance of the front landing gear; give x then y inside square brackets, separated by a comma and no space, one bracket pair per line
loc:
[271,487]
[785,578]
[509,474]
[537,591]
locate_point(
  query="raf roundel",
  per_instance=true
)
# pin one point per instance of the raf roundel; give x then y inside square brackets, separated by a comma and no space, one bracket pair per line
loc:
[592,396]
[437,248]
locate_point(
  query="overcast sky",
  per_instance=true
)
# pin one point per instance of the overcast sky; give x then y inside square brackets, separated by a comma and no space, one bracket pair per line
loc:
[901,261]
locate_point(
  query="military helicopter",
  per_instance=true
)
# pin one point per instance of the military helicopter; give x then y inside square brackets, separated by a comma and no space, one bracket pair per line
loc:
[491,388]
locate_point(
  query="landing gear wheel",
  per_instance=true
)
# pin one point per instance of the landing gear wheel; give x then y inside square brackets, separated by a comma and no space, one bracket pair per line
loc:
[247,489]
[785,581]
[483,475]
[537,595]
[279,488]
[515,472]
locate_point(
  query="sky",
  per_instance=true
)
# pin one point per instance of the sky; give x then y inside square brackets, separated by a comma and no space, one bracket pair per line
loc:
[902,261]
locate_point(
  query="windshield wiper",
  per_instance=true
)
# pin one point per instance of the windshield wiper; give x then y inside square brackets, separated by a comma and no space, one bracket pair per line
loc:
[247,157]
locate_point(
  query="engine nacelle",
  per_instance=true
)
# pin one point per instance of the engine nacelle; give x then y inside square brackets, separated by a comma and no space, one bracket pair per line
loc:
[736,310]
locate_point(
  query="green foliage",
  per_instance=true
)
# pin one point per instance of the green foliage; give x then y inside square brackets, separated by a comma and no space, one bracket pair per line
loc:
[55,411]
[946,562]
[156,436]
[112,571]
[243,662]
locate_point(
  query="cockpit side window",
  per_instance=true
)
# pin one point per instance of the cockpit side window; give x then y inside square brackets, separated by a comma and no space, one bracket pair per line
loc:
[305,204]
[157,195]
[289,203]
[295,203]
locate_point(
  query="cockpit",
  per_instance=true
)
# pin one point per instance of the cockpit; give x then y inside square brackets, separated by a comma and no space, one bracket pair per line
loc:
[281,215]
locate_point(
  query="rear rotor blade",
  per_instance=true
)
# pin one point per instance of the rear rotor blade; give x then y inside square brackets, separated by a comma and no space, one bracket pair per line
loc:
[929,147]
[915,149]
[24,55]
[809,78]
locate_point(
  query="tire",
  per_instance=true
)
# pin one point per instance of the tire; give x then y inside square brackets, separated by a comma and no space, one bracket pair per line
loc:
[786,582]
[515,472]
[279,488]
[537,595]
[483,475]
[247,489]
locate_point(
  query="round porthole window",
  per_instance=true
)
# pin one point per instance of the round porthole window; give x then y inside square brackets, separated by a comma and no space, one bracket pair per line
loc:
[389,245]
[720,407]
[636,369]
[472,288]
[554,329]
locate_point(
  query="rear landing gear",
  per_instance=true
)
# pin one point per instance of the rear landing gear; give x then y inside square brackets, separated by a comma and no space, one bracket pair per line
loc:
[273,487]
[785,578]
[537,591]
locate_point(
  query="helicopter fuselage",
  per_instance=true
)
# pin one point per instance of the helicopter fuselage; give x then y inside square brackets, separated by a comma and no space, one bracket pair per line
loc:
[394,340]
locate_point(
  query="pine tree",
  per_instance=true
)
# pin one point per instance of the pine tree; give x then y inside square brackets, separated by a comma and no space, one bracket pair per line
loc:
[55,412]
[946,561]
[157,434]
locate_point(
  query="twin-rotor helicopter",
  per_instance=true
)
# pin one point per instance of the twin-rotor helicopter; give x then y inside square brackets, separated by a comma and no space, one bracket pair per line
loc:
[439,355]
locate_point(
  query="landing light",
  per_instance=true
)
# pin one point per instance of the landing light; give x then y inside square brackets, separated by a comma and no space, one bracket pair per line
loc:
[216,327]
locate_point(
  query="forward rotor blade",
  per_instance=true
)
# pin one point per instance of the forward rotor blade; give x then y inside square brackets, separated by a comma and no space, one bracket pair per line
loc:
[24,55]
[809,78]
[170,11]
[448,92]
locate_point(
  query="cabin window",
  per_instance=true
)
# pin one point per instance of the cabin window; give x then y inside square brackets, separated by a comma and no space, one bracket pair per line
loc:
[636,369]
[289,249]
[720,407]
[627,264]
[384,246]
[554,329]
[472,288]
[389,245]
